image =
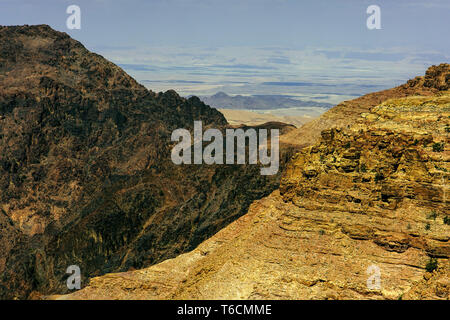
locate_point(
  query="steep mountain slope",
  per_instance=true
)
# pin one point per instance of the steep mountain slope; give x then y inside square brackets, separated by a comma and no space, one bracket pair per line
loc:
[436,78]
[85,172]
[369,196]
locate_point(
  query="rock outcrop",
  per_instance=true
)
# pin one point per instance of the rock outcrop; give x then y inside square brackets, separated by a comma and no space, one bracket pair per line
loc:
[85,172]
[369,197]
[344,114]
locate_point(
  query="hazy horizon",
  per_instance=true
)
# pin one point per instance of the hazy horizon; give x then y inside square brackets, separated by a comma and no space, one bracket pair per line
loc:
[308,49]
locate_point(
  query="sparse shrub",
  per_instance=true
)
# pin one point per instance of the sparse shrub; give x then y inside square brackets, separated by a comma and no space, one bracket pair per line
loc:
[432,265]
[427,226]
[363,168]
[432,215]
[378,177]
[440,168]
[438,147]
[447,220]
[347,145]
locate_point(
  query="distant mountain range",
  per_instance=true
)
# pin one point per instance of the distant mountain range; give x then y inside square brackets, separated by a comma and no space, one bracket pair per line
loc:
[258,102]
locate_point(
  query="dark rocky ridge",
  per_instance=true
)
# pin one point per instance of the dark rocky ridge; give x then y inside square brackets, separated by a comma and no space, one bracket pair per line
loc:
[85,170]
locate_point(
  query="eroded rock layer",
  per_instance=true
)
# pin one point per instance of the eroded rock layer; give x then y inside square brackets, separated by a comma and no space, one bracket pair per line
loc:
[371,195]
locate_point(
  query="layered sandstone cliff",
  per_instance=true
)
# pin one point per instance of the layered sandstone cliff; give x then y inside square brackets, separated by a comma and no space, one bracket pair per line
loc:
[371,192]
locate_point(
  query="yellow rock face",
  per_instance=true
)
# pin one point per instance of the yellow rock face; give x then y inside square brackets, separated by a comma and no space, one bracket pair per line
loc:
[367,202]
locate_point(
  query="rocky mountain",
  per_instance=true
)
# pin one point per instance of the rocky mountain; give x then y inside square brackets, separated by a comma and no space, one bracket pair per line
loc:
[259,102]
[368,197]
[86,176]
[344,114]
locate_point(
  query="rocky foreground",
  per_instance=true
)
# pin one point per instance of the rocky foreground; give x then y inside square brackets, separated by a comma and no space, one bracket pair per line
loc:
[372,191]
[85,171]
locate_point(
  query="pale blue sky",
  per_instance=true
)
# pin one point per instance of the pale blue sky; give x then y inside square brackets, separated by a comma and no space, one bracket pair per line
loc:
[255,46]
